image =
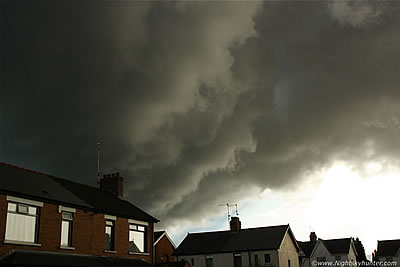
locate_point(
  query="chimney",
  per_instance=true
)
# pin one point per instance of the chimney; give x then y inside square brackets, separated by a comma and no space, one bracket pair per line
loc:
[313,237]
[235,223]
[113,183]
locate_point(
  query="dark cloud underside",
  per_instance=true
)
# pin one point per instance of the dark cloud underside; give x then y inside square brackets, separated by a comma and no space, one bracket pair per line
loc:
[198,102]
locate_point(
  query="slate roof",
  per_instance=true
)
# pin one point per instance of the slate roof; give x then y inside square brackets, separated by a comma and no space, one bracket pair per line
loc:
[337,246]
[250,239]
[40,258]
[334,246]
[307,247]
[34,185]
[388,247]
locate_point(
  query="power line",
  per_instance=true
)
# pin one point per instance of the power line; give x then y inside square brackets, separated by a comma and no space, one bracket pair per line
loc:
[28,76]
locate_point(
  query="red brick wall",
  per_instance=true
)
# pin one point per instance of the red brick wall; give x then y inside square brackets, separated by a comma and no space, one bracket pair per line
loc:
[164,249]
[88,233]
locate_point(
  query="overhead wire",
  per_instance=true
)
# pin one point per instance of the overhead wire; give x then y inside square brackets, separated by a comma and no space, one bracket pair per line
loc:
[25,67]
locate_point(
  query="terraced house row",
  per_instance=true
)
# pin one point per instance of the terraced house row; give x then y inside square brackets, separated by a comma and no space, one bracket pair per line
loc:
[48,221]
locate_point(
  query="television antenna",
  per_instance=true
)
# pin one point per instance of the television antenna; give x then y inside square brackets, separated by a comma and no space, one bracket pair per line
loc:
[228,210]
[236,209]
[227,207]
[98,162]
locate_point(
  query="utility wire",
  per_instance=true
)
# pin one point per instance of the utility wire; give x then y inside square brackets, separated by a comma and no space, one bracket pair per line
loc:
[28,76]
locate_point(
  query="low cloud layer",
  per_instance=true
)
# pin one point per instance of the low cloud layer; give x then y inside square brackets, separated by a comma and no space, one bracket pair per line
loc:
[199,103]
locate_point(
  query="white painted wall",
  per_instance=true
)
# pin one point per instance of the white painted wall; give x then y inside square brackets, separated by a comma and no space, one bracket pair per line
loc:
[321,251]
[273,256]
[219,260]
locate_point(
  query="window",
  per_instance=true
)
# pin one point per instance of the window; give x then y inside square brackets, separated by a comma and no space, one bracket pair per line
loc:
[66,229]
[338,258]
[110,235]
[288,263]
[22,223]
[267,258]
[321,259]
[256,262]
[237,260]
[137,238]
[209,261]
[192,261]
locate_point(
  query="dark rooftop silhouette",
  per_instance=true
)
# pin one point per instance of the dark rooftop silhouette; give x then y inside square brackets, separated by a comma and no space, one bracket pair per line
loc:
[40,186]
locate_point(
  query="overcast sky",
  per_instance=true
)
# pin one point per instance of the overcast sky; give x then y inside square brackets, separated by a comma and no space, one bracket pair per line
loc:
[288,108]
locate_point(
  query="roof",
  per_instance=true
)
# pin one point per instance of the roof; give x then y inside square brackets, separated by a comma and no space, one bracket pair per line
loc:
[250,239]
[158,235]
[40,258]
[337,246]
[334,246]
[388,247]
[21,182]
[307,247]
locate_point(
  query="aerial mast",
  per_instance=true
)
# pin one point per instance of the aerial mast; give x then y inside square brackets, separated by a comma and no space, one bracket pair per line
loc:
[98,162]
[229,212]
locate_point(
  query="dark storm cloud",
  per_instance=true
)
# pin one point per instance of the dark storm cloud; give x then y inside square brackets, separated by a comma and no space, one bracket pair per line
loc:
[199,103]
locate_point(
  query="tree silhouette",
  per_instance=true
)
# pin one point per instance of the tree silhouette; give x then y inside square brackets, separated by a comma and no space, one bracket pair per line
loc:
[360,250]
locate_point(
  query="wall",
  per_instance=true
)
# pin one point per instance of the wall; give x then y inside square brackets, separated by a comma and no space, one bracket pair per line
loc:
[261,259]
[393,259]
[288,251]
[352,253]
[88,233]
[322,251]
[164,249]
[199,260]
[226,259]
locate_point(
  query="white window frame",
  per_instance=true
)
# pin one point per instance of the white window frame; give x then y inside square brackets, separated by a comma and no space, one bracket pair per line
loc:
[133,224]
[69,221]
[110,223]
[19,203]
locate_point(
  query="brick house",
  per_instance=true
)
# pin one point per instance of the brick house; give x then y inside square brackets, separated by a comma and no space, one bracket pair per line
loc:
[164,248]
[273,246]
[46,217]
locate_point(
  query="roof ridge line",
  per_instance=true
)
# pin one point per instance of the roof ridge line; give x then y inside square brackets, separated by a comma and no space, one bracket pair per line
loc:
[45,174]
[24,169]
